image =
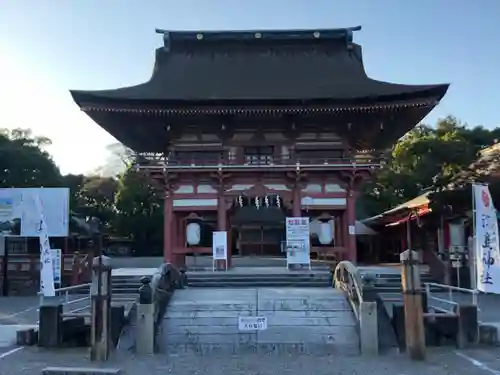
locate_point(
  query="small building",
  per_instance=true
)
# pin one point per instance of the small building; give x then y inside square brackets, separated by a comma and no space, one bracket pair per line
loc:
[440,223]
[245,128]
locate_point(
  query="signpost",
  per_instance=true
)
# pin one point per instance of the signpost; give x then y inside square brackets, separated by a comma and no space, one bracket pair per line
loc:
[297,241]
[219,248]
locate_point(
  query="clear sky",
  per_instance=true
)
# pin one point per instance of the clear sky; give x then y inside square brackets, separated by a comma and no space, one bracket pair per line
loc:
[50,46]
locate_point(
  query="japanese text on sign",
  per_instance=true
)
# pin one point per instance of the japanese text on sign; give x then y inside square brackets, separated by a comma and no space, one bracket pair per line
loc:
[252,323]
[486,241]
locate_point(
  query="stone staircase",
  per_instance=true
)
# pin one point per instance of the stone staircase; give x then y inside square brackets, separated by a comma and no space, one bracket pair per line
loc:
[255,277]
[391,282]
[299,320]
[126,284]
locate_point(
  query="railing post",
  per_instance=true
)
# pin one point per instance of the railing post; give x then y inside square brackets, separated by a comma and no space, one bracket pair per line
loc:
[145,319]
[100,291]
[368,328]
[50,322]
[412,294]
[468,326]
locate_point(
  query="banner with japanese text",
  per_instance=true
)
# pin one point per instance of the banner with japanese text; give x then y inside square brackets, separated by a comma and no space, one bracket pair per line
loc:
[486,241]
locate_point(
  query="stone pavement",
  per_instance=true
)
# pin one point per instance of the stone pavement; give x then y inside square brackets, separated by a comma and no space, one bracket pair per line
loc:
[30,361]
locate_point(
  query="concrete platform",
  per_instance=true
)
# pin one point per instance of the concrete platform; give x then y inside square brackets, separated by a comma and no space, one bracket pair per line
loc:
[305,320]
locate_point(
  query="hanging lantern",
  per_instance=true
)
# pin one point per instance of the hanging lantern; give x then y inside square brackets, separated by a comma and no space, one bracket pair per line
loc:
[326,232]
[266,201]
[314,228]
[240,201]
[278,201]
[193,234]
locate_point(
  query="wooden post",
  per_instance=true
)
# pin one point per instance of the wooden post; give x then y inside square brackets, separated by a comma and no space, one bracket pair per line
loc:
[412,294]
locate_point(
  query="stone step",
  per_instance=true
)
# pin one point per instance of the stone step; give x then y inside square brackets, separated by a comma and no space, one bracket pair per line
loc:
[298,275]
[299,320]
[256,284]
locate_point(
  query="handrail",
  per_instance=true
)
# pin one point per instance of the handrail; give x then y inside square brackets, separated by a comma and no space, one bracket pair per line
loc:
[66,291]
[347,278]
[453,304]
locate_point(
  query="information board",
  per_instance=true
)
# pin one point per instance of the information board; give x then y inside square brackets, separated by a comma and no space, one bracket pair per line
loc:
[298,241]
[17,206]
[219,247]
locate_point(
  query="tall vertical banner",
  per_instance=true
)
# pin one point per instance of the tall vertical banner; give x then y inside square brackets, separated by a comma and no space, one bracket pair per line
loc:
[46,264]
[486,241]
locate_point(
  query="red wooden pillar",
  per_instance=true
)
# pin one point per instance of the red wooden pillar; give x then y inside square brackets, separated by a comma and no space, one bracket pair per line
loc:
[296,201]
[179,259]
[168,255]
[345,235]
[222,226]
[351,225]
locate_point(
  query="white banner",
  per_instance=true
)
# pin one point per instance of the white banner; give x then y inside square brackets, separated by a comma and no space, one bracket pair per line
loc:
[46,262]
[297,240]
[17,207]
[219,245]
[486,241]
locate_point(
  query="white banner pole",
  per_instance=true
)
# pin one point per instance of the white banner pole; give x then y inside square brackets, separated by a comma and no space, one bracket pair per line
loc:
[46,264]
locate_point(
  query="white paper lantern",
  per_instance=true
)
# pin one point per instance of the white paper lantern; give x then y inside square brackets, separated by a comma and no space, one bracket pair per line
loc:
[314,228]
[193,234]
[326,233]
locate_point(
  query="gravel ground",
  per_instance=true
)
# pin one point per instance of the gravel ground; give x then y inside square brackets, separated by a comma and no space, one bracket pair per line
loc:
[31,361]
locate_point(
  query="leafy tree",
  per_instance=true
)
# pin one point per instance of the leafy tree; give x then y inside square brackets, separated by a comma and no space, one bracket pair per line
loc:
[24,162]
[97,198]
[139,210]
[426,159]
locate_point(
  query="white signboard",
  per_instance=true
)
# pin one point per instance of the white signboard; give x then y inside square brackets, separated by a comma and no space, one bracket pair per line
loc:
[298,241]
[16,207]
[46,263]
[486,241]
[219,248]
[56,265]
[252,323]
[219,245]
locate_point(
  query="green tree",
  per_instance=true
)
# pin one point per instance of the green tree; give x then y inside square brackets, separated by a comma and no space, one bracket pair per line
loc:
[426,159]
[24,162]
[139,211]
[96,198]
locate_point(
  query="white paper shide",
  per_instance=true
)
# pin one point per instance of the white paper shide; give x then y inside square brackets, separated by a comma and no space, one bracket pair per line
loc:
[486,241]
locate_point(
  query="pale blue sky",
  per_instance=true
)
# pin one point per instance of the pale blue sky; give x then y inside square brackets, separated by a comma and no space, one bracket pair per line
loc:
[50,46]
